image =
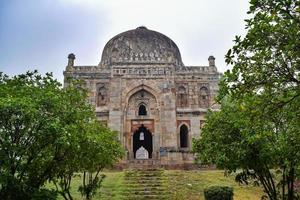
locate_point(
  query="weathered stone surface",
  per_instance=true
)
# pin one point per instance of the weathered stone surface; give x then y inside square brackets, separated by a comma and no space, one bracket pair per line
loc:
[144,67]
[140,45]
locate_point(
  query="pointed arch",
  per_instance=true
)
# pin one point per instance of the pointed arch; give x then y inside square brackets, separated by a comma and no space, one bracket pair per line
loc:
[101,96]
[182,96]
[142,88]
[184,136]
[142,137]
[142,110]
[204,97]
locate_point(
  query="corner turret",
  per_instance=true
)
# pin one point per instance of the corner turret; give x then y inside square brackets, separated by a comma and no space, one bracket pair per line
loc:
[211,61]
[71,58]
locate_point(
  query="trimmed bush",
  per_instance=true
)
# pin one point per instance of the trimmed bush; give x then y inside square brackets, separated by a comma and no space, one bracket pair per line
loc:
[218,193]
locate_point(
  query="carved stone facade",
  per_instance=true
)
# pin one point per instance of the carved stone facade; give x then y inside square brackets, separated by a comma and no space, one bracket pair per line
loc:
[142,89]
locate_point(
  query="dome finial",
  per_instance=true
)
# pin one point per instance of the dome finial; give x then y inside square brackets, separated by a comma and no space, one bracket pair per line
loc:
[142,27]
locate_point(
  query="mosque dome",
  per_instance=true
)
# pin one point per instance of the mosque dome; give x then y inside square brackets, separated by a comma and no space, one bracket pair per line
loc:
[139,46]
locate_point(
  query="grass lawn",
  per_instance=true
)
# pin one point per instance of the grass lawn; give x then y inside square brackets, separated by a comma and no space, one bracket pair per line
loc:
[182,185]
[190,185]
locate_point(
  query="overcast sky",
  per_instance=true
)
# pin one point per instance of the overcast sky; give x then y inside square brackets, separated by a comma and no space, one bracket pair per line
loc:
[39,34]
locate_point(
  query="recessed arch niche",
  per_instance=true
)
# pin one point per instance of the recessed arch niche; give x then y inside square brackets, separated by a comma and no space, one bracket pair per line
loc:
[141,104]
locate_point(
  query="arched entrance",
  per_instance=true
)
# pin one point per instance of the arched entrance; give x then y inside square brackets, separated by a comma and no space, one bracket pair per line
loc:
[184,136]
[142,139]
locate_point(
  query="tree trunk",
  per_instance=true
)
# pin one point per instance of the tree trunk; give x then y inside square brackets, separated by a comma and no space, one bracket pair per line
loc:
[69,195]
[291,183]
[283,183]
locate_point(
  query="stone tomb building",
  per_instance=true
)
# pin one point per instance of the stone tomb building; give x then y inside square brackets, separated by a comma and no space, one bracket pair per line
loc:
[142,89]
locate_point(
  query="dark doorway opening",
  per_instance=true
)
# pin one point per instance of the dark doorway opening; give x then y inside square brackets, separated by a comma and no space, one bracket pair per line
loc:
[142,137]
[184,136]
[142,110]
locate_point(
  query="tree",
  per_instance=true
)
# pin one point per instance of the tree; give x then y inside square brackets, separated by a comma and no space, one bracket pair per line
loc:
[44,130]
[240,136]
[257,128]
[97,151]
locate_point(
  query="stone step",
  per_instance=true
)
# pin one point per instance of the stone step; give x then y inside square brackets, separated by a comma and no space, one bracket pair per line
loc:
[144,176]
[135,185]
[141,192]
[156,177]
[143,161]
[144,171]
[143,164]
[138,177]
[155,189]
[142,187]
[137,197]
[145,184]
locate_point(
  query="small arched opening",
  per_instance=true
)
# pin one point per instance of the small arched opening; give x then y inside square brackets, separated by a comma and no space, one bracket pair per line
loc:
[142,110]
[184,136]
[101,96]
[182,100]
[204,97]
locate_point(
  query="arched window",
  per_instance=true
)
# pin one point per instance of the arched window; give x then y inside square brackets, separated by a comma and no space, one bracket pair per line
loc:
[142,110]
[142,136]
[182,100]
[101,96]
[184,136]
[204,97]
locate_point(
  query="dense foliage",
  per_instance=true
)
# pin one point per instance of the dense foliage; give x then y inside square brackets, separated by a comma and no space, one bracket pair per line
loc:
[258,126]
[218,193]
[47,133]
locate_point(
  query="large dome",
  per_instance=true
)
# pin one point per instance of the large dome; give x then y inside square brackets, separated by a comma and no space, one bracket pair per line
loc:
[140,45]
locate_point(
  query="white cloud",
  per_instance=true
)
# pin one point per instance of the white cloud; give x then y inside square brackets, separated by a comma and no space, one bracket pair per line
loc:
[199,28]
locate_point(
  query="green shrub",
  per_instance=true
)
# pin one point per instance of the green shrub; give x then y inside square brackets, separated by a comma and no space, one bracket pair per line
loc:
[44,194]
[218,193]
